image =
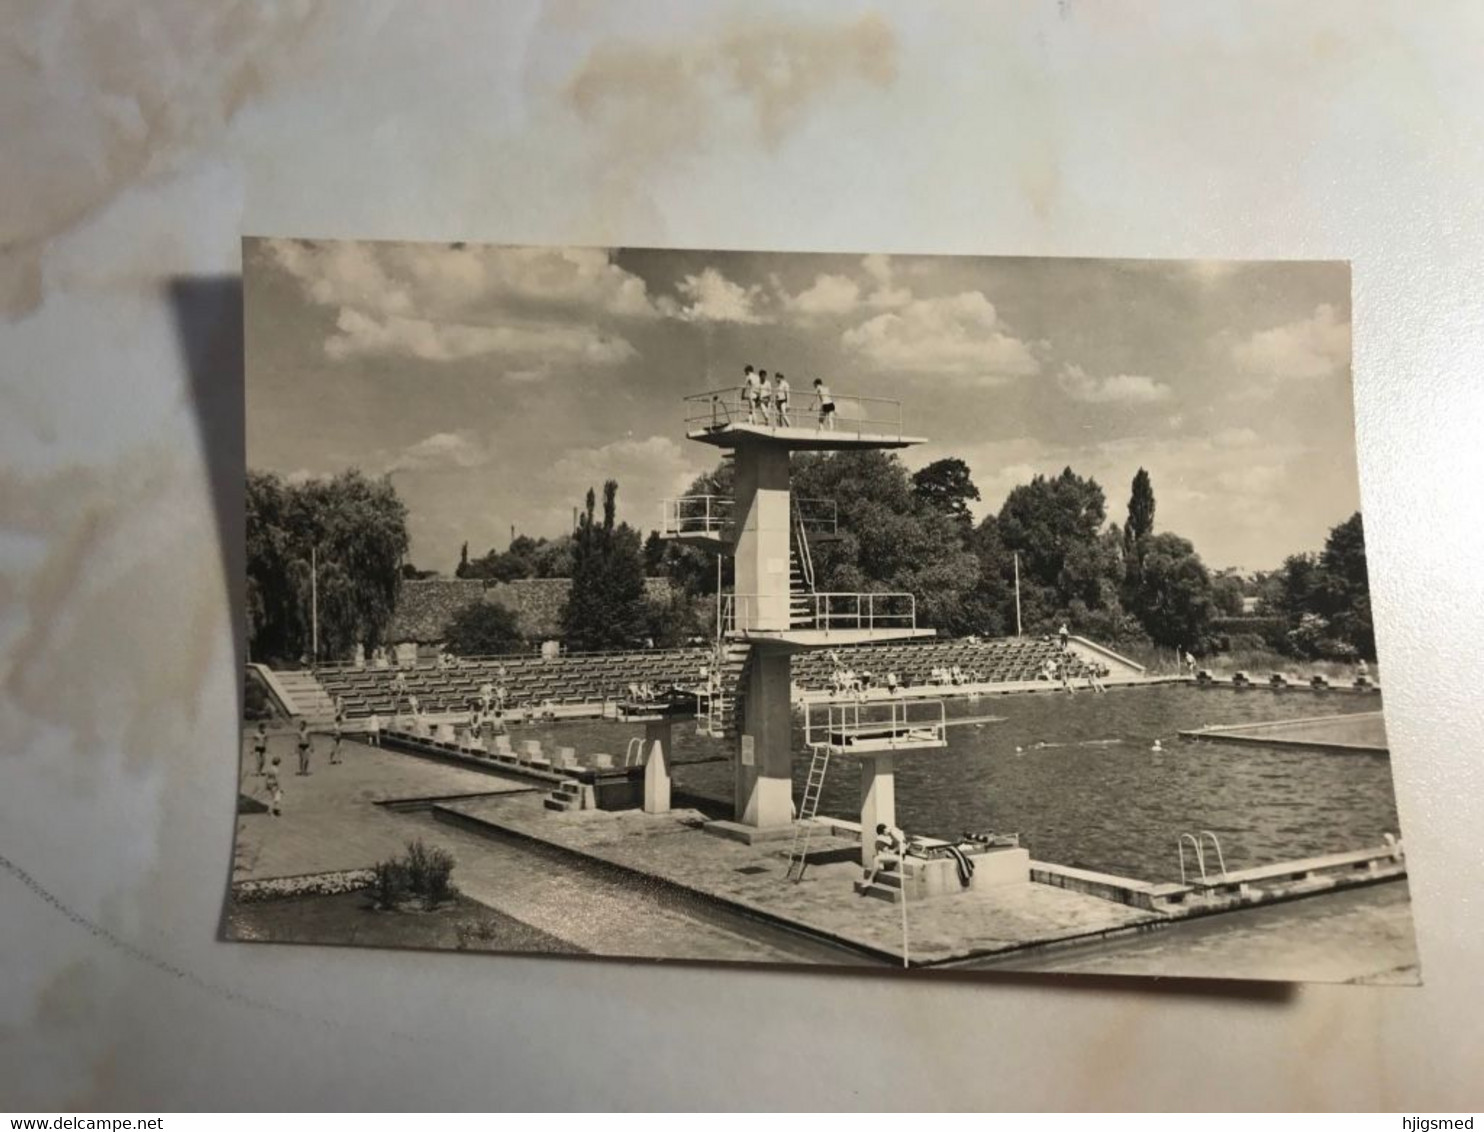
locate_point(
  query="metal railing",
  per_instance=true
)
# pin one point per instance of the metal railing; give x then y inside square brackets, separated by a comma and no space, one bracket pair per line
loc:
[801,542]
[828,612]
[888,724]
[817,516]
[715,515]
[853,415]
[697,515]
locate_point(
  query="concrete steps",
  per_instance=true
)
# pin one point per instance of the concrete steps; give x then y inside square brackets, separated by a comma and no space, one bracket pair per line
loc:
[565,798]
[308,697]
[800,607]
[886,886]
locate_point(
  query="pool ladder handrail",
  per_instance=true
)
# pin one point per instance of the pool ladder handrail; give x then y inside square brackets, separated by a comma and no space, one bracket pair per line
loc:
[1200,856]
[634,753]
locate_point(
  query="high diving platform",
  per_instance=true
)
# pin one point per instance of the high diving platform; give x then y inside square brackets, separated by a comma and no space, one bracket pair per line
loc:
[777,607]
[798,438]
[723,417]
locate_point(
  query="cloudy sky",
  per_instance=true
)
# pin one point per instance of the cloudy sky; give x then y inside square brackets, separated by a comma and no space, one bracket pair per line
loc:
[497,384]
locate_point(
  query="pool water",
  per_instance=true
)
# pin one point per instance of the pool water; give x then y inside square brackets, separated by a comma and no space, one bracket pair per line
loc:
[1086,789]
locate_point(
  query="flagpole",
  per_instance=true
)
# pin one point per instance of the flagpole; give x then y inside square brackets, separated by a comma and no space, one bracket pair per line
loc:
[1017,593]
[314,604]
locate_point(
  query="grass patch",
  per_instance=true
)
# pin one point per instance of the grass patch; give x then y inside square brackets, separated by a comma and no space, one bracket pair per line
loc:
[353,918]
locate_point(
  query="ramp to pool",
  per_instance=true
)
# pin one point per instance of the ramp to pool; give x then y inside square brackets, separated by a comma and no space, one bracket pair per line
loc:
[1358,732]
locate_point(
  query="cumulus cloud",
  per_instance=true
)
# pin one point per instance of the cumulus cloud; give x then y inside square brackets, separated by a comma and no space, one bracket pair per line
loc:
[1314,347]
[885,295]
[1123,388]
[829,295]
[712,297]
[954,336]
[535,346]
[440,302]
[840,294]
[450,280]
[442,450]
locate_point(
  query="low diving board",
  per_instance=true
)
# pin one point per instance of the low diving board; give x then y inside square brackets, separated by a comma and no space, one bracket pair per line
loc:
[676,704]
[866,728]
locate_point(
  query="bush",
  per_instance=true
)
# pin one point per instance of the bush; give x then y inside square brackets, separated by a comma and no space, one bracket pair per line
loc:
[423,872]
[429,873]
[389,886]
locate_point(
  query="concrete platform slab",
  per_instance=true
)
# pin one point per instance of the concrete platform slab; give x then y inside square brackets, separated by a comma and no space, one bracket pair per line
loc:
[750,878]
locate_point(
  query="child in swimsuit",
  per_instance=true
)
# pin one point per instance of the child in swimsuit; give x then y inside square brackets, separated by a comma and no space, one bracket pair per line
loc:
[274,790]
[260,745]
[305,744]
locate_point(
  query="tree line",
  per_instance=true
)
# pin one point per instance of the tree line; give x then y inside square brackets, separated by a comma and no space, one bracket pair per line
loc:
[897,531]
[1129,584]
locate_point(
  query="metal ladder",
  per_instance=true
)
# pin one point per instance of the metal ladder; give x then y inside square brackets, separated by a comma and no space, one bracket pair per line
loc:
[798,851]
[1200,856]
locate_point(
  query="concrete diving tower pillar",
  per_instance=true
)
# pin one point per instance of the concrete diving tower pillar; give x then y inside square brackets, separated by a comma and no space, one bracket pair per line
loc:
[766,609]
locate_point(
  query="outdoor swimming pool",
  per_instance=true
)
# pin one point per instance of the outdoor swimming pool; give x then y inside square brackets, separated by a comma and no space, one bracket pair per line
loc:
[1095,795]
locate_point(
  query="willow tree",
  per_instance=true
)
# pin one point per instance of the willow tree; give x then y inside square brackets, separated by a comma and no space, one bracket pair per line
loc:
[336,543]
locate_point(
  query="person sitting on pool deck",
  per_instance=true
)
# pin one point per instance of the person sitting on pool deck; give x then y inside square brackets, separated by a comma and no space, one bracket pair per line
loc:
[826,403]
[1065,671]
[891,849]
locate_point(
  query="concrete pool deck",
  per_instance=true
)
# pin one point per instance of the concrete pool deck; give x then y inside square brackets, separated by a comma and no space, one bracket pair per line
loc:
[1358,732]
[705,897]
[970,928]
[672,848]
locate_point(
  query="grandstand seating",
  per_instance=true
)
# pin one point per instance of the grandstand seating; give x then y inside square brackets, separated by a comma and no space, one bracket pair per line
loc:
[584,678]
[1003,661]
[529,680]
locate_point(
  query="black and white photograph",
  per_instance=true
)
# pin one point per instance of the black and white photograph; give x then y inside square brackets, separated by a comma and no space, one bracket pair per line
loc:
[936,613]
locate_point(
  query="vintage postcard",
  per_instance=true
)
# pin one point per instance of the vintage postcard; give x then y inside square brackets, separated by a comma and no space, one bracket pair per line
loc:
[921,612]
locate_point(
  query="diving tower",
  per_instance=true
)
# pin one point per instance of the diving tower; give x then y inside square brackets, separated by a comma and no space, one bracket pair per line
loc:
[775,609]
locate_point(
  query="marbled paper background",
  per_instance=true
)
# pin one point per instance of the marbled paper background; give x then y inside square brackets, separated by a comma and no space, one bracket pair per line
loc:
[140,141]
